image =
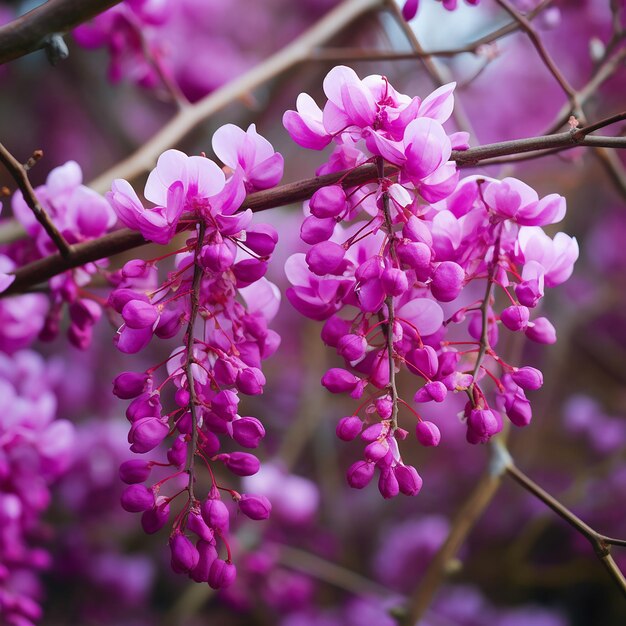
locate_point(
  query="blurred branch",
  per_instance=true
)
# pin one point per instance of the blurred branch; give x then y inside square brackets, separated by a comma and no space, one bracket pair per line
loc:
[125,239]
[600,543]
[19,173]
[34,30]
[190,117]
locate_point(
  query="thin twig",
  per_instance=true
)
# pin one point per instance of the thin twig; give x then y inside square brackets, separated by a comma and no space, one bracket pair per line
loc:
[189,361]
[600,543]
[19,174]
[33,30]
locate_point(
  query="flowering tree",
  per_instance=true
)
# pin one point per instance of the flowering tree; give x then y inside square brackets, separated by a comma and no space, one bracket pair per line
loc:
[416,239]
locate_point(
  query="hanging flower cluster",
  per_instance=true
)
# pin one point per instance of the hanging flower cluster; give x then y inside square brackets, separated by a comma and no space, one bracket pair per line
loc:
[218,294]
[396,265]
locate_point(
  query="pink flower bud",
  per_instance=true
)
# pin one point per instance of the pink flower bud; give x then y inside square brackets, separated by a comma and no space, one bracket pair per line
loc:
[388,484]
[255,507]
[541,331]
[209,444]
[129,384]
[249,271]
[349,428]
[409,10]
[138,314]
[137,498]
[447,281]
[169,323]
[325,257]
[338,380]
[515,317]
[222,574]
[428,434]
[415,255]
[328,201]
[373,432]
[155,518]
[528,377]
[434,390]
[224,404]
[120,297]
[409,481]
[135,268]
[217,257]
[384,406]
[376,450]
[482,424]
[334,329]
[315,230]
[134,471]
[184,554]
[360,474]
[394,281]
[423,362]
[352,347]
[146,434]
[518,408]
[248,432]
[416,230]
[241,463]
[206,555]
[529,292]
[148,404]
[250,381]
[177,454]
[216,514]
[197,525]
[261,239]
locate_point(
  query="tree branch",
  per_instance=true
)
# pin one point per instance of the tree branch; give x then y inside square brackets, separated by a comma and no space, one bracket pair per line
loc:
[33,30]
[19,173]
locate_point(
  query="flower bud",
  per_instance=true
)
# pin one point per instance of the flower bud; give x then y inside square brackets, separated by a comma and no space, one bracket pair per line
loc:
[129,384]
[224,404]
[349,428]
[482,424]
[338,380]
[138,314]
[434,390]
[249,271]
[388,484]
[196,524]
[423,362]
[384,406]
[241,463]
[415,255]
[217,257]
[394,281]
[409,481]
[135,268]
[248,431]
[328,201]
[315,230]
[360,474]
[146,434]
[325,257]
[222,574]
[352,347]
[541,331]
[255,507]
[529,292]
[250,381]
[216,514]
[261,239]
[528,378]
[135,471]
[177,454]
[184,554]
[376,450]
[428,434]
[447,281]
[515,317]
[155,518]
[206,555]
[416,230]
[137,498]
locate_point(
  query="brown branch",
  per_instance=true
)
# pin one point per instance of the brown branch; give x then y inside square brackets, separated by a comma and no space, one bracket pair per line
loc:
[19,173]
[33,30]
[186,120]
[125,239]
[600,543]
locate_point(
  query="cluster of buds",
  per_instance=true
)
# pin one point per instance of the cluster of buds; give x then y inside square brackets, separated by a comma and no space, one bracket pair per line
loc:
[395,266]
[217,292]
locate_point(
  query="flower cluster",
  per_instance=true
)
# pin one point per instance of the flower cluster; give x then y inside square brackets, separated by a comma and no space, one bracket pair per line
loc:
[218,292]
[35,449]
[395,266]
[79,214]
